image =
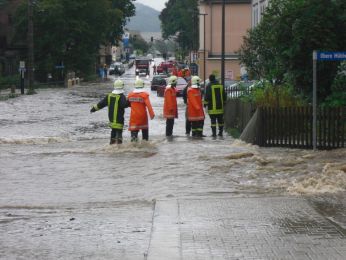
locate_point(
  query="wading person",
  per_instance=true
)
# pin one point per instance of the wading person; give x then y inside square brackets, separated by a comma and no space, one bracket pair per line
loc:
[170,108]
[140,103]
[195,107]
[116,103]
[215,98]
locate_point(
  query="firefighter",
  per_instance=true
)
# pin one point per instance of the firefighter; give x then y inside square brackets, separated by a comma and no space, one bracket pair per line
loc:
[215,98]
[195,107]
[116,102]
[140,103]
[170,108]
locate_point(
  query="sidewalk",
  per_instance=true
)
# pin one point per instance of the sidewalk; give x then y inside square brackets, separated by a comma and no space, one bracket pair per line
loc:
[243,228]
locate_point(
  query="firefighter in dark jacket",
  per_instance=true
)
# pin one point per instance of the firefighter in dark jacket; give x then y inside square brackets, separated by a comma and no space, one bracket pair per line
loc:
[215,99]
[116,102]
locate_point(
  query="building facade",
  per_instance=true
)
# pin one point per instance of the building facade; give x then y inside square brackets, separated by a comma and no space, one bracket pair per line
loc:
[237,22]
[258,8]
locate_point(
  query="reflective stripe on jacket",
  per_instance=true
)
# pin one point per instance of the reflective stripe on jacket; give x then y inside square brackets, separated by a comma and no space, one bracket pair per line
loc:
[139,103]
[170,108]
[116,108]
[194,105]
[215,97]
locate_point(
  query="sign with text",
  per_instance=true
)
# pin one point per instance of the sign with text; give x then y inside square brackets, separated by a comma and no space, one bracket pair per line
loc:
[331,56]
[229,74]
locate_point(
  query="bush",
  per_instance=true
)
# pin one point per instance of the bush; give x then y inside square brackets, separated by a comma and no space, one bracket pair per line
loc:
[338,96]
[7,81]
[266,94]
[91,77]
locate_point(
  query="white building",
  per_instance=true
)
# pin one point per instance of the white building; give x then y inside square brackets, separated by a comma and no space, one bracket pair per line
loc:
[258,8]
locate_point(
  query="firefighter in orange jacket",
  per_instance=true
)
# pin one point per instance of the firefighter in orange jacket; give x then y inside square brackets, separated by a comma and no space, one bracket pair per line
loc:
[170,108]
[195,107]
[139,102]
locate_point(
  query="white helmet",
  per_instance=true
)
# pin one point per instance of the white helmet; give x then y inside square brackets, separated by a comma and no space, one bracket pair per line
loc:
[139,83]
[172,80]
[195,80]
[118,87]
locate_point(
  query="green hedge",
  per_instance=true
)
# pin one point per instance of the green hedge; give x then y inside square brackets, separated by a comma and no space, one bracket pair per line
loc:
[7,81]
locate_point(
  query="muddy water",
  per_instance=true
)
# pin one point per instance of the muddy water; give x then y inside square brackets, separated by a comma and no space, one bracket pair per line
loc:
[53,139]
[55,161]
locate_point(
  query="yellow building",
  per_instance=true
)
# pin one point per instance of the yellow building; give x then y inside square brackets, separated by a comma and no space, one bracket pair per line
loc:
[237,22]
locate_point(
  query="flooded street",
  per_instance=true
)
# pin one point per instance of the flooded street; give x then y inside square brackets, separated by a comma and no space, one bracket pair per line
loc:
[62,184]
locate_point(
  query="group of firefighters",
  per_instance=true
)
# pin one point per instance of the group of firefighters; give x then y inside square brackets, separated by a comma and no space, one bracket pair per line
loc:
[138,100]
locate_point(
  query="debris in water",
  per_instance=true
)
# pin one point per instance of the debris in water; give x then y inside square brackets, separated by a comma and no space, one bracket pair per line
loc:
[239,156]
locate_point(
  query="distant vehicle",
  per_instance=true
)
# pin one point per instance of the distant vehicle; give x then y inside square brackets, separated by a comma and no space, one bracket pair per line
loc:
[142,65]
[181,84]
[157,81]
[117,68]
[165,67]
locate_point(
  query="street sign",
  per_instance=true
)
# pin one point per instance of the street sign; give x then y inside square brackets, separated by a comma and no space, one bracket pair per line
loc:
[229,74]
[320,56]
[330,55]
[21,64]
[126,38]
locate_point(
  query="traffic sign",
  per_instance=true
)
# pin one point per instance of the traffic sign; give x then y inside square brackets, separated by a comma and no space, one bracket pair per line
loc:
[330,55]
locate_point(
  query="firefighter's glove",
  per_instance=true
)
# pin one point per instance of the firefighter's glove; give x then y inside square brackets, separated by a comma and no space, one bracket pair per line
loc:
[92,110]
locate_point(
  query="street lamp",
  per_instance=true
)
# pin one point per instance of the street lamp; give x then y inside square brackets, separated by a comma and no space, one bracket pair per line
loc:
[223,45]
[204,52]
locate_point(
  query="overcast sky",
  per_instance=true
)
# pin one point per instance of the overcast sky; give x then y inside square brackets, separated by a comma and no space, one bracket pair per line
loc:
[156,4]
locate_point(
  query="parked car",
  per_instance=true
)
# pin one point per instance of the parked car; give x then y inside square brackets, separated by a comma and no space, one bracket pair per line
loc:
[157,81]
[181,84]
[117,68]
[165,67]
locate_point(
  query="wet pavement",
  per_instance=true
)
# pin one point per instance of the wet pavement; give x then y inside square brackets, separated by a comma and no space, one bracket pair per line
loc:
[244,228]
[66,194]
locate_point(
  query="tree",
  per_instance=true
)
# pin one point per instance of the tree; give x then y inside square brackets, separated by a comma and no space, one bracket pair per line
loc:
[72,31]
[180,19]
[281,46]
[138,43]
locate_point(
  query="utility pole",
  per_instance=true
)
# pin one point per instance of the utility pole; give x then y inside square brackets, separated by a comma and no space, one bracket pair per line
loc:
[30,49]
[223,44]
[204,50]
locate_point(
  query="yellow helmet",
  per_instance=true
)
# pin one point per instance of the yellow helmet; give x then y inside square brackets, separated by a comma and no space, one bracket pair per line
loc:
[118,84]
[195,80]
[118,87]
[139,83]
[173,80]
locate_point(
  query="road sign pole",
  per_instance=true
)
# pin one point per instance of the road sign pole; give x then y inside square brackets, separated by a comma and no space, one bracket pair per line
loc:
[314,101]
[22,82]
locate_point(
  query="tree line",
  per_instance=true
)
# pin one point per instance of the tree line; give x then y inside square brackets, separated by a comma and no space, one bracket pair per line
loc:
[280,48]
[71,32]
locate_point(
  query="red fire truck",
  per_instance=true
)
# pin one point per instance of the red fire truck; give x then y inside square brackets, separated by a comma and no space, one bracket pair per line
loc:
[142,65]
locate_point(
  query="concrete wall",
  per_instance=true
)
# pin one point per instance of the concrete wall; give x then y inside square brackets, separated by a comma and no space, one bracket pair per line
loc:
[238,113]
